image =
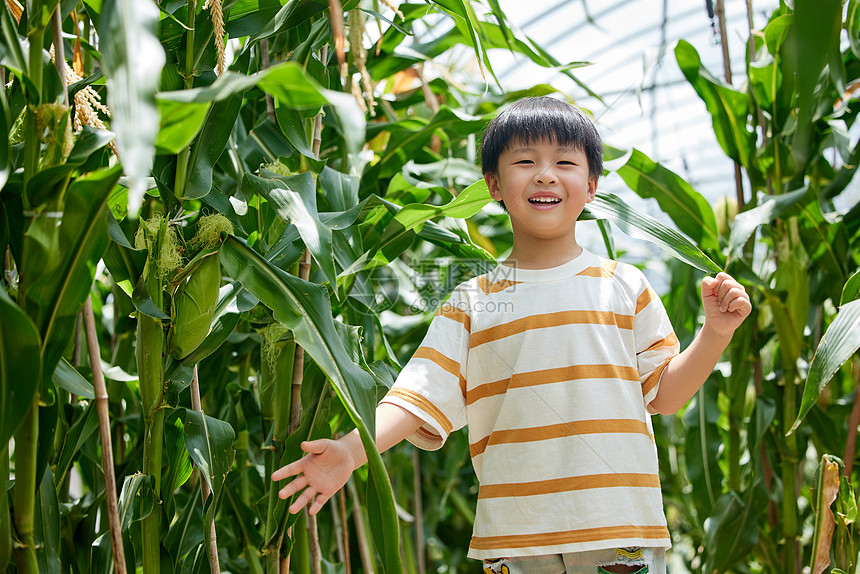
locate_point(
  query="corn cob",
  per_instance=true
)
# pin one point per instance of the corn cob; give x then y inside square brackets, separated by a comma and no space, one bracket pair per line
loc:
[194,303]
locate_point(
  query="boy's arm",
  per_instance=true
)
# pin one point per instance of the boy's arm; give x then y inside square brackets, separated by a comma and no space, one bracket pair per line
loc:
[726,305]
[329,463]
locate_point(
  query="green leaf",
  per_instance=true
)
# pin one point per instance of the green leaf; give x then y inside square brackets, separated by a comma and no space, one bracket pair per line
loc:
[102,559]
[5,125]
[132,58]
[46,527]
[293,13]
[464,13]
[690,212]
[703,444]
[613,208]
[186,531]
[852,25]
[210,145]
[180,124]
[177,468]
[745,224]
[5,518]
[728,107]
[817,30]
[295,200]
[851,289]
[304,308]
[68,378]
[209,441]
[410,219]
[143,301]
[732,529]
[56,297]
[20,363]
[84,427]
[839,343]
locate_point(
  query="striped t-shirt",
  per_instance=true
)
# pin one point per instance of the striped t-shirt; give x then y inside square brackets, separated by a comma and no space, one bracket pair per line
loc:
[553,371]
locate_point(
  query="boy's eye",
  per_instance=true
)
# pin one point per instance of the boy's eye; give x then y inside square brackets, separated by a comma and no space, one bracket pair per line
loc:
[525,161]
[565,162]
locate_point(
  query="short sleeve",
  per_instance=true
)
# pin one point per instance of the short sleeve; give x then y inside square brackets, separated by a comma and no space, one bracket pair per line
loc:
[432,385]
[656,343]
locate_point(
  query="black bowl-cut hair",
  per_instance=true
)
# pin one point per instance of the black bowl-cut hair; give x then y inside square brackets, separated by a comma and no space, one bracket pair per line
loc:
[541,119]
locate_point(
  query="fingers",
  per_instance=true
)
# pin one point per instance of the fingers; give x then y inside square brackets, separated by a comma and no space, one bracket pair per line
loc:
[293,487]
[315,446]
[302,500]
[289,470]
[730,295]
[296,467]
[317,504]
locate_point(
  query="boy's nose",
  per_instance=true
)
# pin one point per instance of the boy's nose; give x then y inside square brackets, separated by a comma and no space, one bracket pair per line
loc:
[545,176]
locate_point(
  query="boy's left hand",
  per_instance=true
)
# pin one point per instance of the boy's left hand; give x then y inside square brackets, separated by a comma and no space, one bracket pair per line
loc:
[726,304]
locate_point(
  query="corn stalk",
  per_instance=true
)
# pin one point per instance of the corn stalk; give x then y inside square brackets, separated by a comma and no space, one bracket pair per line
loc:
[150,367]
[214,564]
[27,435]
[105,435]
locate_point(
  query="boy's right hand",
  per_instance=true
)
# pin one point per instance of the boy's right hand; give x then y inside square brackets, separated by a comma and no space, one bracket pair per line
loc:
[322,472]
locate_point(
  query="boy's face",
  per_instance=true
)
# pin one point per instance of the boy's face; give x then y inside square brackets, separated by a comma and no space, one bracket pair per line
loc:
[544,186]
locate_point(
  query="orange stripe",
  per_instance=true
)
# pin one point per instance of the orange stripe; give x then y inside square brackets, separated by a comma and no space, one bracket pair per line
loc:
[567,484]
[568,537]
[423,404]
[668,341]
[439,359]
[428,434]
[548,376]
[545,320]
[490,288]
[560,430]
[654,377]
[646,297]
[606,270]
[463,386]
[456,314]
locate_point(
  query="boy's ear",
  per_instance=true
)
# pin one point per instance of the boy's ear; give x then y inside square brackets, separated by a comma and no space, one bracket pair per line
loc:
[493,184]
[592,189]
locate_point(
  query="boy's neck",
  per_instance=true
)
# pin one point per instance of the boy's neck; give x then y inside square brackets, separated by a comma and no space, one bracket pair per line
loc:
[533,253]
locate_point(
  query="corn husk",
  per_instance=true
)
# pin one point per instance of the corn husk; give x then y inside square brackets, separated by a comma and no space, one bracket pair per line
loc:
[194,303]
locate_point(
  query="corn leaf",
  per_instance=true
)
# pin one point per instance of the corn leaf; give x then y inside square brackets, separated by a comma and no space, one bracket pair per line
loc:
[132,58]
[5,518]
[46,527]
[731,532]
[295,200]
[19,365]
[68,378]
[839,343]
[772,207]
[851,289]
[609,206]
[209,441]
[826,491]
[690,212]
[84,427]
[304,308]
[180,124]
[727,106]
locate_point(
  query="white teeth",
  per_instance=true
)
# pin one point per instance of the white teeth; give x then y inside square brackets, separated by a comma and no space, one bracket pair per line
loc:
[544,200]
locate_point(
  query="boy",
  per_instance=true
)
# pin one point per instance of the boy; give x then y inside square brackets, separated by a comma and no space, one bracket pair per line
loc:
[555,360]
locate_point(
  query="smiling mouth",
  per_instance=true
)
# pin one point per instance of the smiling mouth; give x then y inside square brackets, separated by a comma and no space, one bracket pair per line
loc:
[544,200]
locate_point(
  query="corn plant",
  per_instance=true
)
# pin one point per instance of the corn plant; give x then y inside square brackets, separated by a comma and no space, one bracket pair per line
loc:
[741,485]
[252,233]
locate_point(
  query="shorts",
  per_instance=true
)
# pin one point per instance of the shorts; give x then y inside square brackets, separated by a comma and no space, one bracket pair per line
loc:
[649,561]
